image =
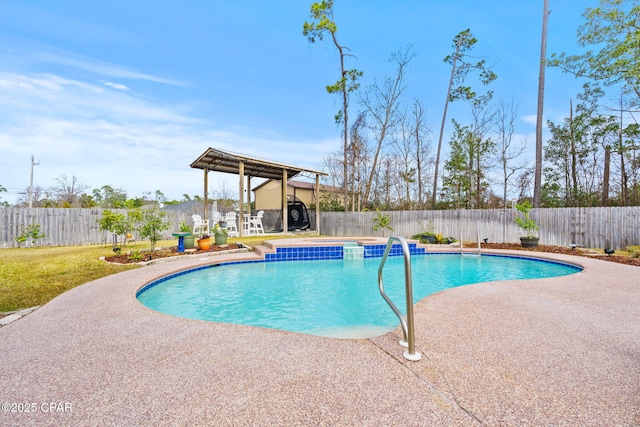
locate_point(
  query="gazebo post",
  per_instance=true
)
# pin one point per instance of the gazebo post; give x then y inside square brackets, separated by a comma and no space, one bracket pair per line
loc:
[206,191]
[285,206]
[249,194]
[318,203]
[241,211]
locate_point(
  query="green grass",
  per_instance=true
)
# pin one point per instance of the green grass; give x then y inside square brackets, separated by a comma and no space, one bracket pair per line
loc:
[34,276]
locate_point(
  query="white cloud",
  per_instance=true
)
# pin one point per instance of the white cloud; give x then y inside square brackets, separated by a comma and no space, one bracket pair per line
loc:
[116,138]
[115,85]
[102,68]
[531,119]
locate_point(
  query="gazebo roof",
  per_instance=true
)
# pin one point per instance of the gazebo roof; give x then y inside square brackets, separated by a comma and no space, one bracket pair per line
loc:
[228,162]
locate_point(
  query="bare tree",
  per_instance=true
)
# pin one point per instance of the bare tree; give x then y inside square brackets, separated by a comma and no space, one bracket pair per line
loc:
[224,195]
[37,194]
[421,148]
[358,156]
[411,148]
[482,147]
[381,103]
[524,183]
[403,144]
[332,164]
[67,191]
[507,153]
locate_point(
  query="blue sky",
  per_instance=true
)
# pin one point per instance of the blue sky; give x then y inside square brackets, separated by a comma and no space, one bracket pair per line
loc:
[128,94]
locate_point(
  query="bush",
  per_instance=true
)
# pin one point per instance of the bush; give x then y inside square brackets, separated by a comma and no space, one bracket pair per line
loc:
[117,223]
[634,251]
[382,222]
[524,221]
[151,225]
[31,232]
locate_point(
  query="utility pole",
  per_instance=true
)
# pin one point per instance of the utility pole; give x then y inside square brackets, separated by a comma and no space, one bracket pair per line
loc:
[33,163]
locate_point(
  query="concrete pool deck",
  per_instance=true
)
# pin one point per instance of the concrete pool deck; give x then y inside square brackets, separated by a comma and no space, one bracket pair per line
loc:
[560,351]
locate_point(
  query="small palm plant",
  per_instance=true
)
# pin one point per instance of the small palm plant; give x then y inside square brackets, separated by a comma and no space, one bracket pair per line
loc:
[382,221]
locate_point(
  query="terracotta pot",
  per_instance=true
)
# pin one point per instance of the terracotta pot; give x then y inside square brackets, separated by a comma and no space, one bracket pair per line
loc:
[204,244]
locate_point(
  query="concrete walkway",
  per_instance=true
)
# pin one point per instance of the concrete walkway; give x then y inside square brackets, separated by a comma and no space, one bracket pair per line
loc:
[562,352]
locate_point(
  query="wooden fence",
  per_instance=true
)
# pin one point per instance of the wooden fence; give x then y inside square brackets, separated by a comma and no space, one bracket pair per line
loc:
[70,227]
[65,227]
[617,227]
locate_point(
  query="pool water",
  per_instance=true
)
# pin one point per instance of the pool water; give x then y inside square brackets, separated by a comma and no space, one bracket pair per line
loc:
[336,298]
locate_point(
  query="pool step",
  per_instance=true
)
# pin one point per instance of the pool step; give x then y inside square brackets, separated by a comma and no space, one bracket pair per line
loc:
[261,250]
[351,250]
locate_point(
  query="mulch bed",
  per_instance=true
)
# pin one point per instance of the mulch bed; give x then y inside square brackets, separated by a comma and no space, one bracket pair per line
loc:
[144,256]
[561,250]
[172,252]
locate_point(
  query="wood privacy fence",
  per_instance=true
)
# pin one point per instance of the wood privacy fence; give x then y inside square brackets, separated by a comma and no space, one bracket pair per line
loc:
[617,227]
[70,227]
[66,227]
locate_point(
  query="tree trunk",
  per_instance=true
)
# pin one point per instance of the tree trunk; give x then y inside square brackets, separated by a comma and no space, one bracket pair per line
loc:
[478,180]
[574,161]
[605,178]
[418,119]
[537,187]
[623,172]
[345,129]
[444,120]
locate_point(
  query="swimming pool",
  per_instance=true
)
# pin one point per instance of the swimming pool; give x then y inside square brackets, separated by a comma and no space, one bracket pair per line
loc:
[327,297]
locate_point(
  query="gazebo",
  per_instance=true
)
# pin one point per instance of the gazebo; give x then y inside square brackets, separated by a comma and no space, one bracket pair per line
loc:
[215,160]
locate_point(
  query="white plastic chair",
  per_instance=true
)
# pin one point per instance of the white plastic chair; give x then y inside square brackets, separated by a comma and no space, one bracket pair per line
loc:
[255,224]
[232,227]
[200,226]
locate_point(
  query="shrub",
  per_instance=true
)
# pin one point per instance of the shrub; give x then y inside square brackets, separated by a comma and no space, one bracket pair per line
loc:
[117,223]
[31,232]
[151,225]
[382,221]
[525,222]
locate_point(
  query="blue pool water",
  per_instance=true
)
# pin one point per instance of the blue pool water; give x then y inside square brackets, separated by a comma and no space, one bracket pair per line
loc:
[338,298]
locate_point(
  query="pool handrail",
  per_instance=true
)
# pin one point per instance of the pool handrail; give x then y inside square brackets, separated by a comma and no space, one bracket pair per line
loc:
[406,323]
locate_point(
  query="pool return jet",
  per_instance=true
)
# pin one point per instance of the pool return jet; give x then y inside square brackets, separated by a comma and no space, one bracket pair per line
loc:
[409,340]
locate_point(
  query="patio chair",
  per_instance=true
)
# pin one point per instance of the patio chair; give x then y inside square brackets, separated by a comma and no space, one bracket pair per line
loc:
[200,226]
[232,227]
[255,224]
[215,217]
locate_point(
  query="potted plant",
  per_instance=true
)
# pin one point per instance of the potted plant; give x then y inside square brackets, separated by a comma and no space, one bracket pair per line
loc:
[190,240]
[528,225]
[204,243]
[220,234]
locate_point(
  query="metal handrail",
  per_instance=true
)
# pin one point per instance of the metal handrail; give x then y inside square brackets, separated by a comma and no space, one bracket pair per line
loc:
[407,323]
